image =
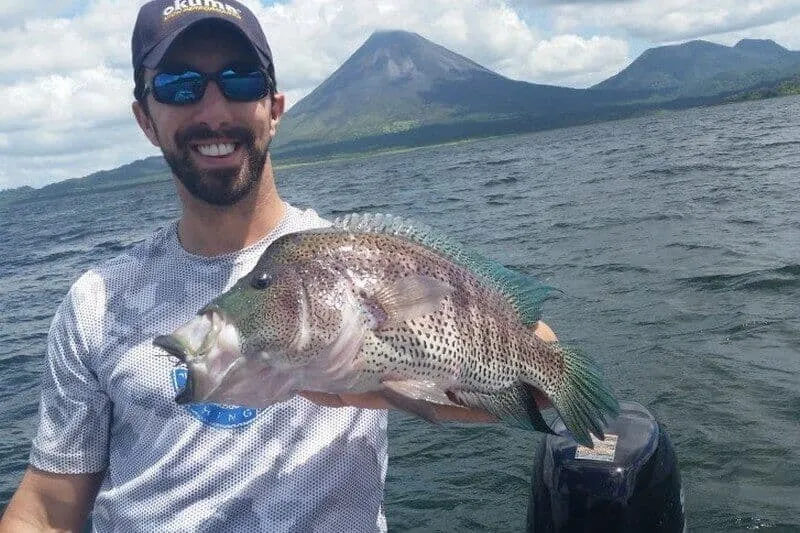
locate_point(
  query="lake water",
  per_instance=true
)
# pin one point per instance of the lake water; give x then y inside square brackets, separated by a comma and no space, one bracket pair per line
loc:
[674,238]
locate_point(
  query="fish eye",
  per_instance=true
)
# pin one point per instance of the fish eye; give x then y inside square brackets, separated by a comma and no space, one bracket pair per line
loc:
[262,281]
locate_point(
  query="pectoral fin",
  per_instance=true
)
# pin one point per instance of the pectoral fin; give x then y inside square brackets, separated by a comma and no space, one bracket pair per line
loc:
[406,298]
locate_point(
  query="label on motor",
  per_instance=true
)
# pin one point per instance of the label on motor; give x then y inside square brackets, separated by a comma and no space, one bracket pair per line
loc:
[603,449]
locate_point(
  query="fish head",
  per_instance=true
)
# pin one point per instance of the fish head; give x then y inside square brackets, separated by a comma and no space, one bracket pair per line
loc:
[269,310]
[209,346]
[247,346]
[258,327]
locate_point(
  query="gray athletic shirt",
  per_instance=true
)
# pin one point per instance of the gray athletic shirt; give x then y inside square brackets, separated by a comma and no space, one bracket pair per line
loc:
[107,403]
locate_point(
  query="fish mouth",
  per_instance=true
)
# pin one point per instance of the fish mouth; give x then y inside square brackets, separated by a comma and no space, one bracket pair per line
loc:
[209,346]
[172,346]
[176,348]
[196,338]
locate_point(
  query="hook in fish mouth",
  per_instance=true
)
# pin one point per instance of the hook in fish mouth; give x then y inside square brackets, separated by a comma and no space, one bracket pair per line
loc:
[175,348]
[195,338]
[172,346]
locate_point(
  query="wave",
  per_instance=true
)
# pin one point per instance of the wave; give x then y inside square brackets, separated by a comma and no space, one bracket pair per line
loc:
[445,200]
[614,150]
[780,144]
[459,166]
[713,200]
[658,217]
[746,327]
[692,167]
[502,162]
[744,221]
[502,199]
[55,256]
[112,246]
[690,246]
[364,208]
[29,339]
[773,279]
[501,181]
[605,223]
[618,267]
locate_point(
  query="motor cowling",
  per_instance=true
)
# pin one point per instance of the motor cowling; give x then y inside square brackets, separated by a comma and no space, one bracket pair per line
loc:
[629,482]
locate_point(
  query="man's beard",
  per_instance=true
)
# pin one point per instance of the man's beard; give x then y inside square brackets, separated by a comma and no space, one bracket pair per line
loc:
[223,186]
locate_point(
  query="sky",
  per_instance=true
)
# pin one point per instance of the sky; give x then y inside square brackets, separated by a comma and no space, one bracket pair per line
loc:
[66,80]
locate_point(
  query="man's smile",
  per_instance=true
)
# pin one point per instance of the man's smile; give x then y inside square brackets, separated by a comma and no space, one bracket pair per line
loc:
[217,152]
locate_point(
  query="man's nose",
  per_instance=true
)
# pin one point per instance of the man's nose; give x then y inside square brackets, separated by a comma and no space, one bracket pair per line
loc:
[213,109]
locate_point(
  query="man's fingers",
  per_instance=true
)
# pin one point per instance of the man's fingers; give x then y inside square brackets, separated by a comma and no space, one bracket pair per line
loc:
[544,332]
[367,400]
[320,398]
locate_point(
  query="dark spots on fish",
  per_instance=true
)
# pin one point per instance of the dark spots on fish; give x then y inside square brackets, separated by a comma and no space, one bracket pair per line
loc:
[476,333]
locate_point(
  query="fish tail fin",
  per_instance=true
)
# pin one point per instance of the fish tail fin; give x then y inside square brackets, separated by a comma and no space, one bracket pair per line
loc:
[515,406]
[583,398]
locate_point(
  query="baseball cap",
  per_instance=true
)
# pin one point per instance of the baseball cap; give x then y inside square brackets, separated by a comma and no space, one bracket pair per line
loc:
[160,22]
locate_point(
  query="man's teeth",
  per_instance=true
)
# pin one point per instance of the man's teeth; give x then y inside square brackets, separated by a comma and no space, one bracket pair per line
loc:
[216,150]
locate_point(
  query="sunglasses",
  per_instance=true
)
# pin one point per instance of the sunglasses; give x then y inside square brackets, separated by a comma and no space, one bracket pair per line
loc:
[187,86]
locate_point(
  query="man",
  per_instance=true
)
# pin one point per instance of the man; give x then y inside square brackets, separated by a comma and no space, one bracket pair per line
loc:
[112,441]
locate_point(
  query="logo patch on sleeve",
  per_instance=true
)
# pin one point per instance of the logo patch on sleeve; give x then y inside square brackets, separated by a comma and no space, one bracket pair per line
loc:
[214,414]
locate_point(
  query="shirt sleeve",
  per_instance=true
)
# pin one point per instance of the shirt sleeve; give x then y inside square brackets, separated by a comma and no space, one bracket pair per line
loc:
[74,410]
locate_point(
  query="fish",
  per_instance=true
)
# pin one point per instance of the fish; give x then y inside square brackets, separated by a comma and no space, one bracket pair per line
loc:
[381,303]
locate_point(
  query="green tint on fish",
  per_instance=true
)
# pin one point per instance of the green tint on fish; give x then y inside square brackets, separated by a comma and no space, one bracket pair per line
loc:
[376,303]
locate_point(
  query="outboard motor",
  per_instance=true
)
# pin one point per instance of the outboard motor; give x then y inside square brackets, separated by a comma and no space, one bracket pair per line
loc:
[629,482]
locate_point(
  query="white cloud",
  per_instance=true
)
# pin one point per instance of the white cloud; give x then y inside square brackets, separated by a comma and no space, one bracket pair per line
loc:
[65,77]
[99,35]
[784,32]
[12,12]
[673,20]
[83,98]
[569,60]
[489,32]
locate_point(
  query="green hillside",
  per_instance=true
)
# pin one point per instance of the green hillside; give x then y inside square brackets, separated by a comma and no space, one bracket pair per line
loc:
[401,90]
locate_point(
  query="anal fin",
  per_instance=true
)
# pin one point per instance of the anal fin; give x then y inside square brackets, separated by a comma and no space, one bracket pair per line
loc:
[416,397]
[515,406]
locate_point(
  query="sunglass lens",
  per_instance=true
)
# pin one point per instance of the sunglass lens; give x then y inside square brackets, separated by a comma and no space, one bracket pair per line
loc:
[244,86]
[182,88]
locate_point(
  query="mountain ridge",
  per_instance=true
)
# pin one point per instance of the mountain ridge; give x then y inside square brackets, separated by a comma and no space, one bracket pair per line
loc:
[399,83]
[684,69]
[406,90]
[398,89]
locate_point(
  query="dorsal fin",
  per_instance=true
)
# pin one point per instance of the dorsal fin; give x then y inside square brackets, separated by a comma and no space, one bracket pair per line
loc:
[524,292]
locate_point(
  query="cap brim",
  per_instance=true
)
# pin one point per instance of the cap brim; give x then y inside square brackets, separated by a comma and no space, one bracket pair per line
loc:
[154,57]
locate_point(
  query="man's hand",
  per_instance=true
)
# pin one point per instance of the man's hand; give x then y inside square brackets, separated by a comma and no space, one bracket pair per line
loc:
[375,400]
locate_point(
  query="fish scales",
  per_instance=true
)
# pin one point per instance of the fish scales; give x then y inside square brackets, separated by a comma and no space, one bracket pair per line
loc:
[483,346]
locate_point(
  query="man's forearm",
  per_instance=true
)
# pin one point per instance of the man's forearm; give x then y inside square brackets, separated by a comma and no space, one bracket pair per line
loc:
[10,523]
[47,502]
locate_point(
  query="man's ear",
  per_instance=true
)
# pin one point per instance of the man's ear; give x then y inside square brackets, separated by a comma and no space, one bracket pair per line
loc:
[276,112]
[145,122]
